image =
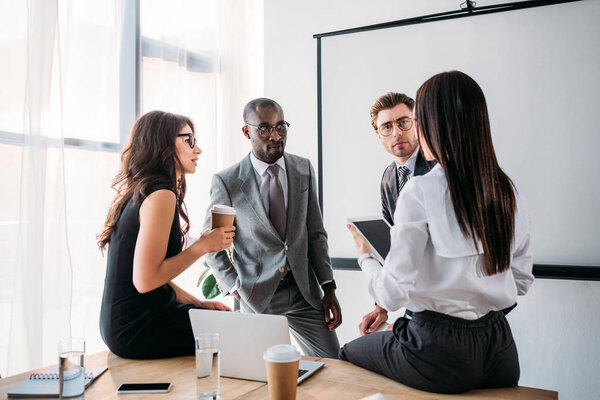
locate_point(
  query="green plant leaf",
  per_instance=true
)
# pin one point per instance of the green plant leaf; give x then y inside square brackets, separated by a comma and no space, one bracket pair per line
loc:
[210,290]
[203,274]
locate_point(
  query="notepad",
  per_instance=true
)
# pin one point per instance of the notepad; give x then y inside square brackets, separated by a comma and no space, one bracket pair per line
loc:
[45,384]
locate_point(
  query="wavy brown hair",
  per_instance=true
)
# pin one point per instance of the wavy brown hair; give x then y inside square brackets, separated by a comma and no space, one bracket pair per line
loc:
[452,119]
[149,158]
[388,101]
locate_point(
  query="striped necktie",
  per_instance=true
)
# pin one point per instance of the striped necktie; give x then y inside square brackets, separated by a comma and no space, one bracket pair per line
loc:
[403,173]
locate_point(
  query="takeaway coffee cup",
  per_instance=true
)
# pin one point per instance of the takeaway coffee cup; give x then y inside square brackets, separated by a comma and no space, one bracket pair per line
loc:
[282,362]
[221,215]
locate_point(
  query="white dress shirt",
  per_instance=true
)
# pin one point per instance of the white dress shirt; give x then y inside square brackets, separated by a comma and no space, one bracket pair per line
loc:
[432,266]
[263,179]
[410,163]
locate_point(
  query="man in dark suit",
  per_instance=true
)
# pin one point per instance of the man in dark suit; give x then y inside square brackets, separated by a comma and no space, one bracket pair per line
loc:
[281,263]
[393,121]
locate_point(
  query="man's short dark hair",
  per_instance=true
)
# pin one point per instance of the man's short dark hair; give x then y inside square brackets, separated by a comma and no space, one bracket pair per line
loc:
[258,103]
[387,101]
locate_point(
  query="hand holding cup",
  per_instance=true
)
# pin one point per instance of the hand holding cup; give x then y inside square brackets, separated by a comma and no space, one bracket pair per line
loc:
[218,239]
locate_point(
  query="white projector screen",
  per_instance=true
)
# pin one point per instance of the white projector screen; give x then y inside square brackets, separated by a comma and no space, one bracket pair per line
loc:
[539,69]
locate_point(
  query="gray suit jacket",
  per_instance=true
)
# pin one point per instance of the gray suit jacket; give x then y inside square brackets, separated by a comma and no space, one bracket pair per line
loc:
[260,253]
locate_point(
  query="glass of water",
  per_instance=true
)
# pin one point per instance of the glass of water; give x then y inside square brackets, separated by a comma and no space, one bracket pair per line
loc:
[71,370]
[207,366]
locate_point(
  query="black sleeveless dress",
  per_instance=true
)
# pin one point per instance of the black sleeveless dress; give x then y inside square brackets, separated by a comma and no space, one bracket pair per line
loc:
[136,325]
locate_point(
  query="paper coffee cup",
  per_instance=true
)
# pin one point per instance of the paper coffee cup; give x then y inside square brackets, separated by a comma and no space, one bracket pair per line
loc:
[221,215]
[282,362]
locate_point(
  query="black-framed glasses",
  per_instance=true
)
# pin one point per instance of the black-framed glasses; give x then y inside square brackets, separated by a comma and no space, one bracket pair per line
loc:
[265,130]
[191,139]
[404,124]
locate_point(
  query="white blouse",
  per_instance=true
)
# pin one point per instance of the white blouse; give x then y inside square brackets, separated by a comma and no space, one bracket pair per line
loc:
[432,266]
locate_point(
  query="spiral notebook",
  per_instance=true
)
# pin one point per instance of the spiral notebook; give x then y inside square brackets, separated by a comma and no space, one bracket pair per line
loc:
[45,384]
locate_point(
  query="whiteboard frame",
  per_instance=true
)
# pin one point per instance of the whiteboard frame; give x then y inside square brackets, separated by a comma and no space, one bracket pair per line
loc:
[547,271]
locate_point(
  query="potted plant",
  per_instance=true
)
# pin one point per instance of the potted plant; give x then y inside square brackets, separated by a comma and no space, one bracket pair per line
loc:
[210,289]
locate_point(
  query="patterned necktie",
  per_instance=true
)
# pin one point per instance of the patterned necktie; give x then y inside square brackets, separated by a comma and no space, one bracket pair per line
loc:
[403,173]
[276,200]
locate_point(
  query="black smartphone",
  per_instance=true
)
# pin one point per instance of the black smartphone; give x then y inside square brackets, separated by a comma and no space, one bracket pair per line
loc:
[144,388]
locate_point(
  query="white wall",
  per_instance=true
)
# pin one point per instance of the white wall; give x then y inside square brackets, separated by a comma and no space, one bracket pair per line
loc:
[555,325]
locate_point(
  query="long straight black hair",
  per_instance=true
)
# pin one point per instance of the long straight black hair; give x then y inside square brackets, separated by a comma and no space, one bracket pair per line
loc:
[452,120]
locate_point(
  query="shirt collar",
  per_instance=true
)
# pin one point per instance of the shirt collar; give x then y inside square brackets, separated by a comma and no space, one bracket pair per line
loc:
[411,162]
[261,167]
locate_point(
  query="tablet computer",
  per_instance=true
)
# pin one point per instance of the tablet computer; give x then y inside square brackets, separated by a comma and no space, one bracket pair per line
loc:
[377,232]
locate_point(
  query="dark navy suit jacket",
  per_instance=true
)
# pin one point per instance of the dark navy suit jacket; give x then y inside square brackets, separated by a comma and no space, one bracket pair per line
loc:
[389,185]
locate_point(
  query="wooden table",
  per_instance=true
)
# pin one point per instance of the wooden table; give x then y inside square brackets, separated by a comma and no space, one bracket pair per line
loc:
[336,380]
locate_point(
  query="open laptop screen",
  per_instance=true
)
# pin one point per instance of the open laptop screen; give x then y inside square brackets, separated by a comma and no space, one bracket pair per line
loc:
[244,338]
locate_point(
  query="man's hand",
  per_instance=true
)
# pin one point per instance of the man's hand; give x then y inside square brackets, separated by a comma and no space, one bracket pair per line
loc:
[373,320]
[331,306]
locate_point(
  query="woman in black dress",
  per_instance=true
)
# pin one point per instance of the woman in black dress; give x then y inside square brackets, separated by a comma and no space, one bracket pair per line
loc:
[144,314]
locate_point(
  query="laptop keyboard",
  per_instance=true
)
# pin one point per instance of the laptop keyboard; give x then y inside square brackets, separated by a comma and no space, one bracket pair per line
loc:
[302,372]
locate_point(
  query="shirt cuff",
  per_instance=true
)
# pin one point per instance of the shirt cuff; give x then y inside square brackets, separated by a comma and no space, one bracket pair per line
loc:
[235,287]
[370,266]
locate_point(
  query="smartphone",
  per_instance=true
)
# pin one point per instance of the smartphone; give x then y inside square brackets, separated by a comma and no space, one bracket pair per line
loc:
[144,388]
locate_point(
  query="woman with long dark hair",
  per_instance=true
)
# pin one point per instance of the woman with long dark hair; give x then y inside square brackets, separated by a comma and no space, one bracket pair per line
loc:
[144,314]
[459,255]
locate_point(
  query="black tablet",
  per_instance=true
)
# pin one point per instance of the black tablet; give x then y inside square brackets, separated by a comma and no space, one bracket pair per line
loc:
[377,232]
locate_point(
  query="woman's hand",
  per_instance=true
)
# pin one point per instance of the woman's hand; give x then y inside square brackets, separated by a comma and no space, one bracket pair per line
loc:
[217,239]
[214,305]
[183,297]
[362,246]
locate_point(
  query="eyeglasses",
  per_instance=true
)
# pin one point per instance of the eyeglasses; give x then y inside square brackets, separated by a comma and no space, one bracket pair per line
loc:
[403,124]
[191,139]
[265,130]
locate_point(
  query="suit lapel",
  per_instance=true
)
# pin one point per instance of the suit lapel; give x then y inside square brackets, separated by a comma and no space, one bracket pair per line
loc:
[394,179]
[421,165]
[294,188]
[249,188]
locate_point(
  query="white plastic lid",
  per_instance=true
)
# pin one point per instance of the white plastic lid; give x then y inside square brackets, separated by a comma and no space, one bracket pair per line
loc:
[281,353]
[222,209]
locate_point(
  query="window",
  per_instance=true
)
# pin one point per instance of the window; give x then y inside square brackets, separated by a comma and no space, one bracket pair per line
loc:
[59,149]
[69,100]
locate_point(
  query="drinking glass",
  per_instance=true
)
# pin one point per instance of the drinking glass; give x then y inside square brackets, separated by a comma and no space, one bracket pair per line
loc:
[71,369]
[207,366]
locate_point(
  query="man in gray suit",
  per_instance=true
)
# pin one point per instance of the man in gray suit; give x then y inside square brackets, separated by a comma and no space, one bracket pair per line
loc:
[393,121]
[281,262]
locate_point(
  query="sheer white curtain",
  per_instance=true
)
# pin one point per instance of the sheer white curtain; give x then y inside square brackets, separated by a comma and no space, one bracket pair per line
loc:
[60,143]
[58,80]
[203,59]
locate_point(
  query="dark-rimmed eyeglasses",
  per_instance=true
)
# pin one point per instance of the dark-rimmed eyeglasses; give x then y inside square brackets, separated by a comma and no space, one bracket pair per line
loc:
[265,130]
[404,124]
[191,139]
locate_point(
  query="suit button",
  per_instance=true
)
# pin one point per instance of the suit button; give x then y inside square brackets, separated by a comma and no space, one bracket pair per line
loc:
[285,247]
[282,270]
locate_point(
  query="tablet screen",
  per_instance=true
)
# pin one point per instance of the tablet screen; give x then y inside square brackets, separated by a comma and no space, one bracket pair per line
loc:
[377,232]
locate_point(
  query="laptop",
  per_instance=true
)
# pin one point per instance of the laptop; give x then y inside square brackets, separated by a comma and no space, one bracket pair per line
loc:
[377,232]
[243,340]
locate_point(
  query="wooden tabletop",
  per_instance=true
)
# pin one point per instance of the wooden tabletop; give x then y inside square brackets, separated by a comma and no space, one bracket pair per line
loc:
[336,380]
